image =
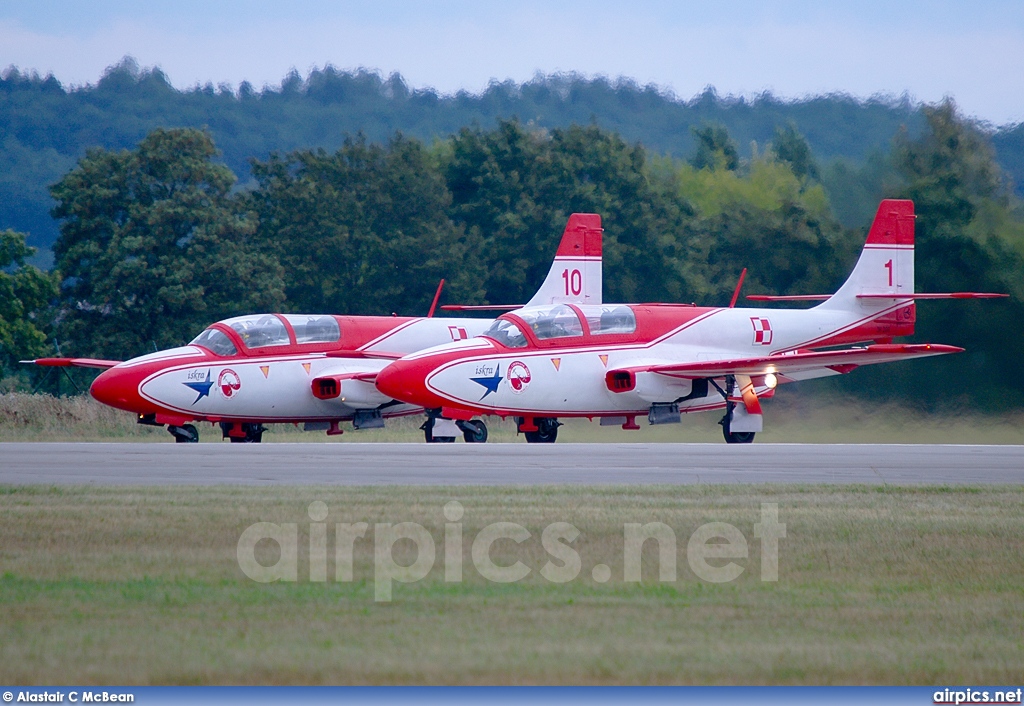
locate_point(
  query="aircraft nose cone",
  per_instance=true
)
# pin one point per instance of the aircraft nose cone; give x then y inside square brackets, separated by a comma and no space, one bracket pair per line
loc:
[404,380]
[393,381]
[115,388]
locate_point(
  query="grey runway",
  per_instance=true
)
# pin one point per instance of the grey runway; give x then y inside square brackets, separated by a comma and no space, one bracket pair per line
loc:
[505,464]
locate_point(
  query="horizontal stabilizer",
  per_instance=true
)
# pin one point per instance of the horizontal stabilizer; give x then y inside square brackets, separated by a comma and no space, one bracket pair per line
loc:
[841,361]
[481,307]
[923,295]
[948,295]
[72,362]
[788,297]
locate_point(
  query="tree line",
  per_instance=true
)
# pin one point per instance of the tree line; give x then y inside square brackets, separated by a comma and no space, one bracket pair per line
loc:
[46,127]
[158,241]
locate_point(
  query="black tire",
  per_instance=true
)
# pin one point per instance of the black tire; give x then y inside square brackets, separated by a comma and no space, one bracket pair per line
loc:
[428,434]
[547,431]
[734,437]
[474,432]
[253,434]
[185,434]
[738,437]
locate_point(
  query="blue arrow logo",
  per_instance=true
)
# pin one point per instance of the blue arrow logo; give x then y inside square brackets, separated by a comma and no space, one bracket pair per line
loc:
[490,383]
[203,388]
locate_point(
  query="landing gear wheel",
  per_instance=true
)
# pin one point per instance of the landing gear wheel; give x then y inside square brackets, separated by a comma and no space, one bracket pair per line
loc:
[428,433]
[734,437]
[474,432]
[185,434]
[547,431]
[253,433]
[738,437]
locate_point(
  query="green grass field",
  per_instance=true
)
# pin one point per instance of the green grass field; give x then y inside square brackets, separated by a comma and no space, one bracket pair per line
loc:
[876,585]
[792,417]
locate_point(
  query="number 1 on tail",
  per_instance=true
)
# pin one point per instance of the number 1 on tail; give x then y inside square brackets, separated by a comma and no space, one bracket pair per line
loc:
[888,266]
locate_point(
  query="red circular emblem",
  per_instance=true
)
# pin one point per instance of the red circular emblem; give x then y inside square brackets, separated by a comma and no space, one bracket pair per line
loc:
[229,382]
[518,376]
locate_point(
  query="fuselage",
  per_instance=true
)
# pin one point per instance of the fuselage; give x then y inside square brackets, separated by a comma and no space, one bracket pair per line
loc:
[557,362]
[262,368]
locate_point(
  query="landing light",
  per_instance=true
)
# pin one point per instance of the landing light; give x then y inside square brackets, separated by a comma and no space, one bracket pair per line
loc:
[770,381]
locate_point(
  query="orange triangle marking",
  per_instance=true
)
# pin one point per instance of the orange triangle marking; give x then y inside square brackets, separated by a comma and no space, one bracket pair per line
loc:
[306,366]
[604,360]
[557,362]
[265,369]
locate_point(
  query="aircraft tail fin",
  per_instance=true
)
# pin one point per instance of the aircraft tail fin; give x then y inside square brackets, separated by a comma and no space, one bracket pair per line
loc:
[884,274]
[883,279]
[576,274]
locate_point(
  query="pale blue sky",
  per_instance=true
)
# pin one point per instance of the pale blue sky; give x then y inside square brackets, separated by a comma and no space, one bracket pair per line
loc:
[929,49]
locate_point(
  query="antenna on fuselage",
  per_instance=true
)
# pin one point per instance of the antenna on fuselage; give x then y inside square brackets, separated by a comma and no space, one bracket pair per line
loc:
[437,296]
[739,286]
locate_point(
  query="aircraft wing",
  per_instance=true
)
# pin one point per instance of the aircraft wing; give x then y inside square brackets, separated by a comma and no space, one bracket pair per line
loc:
[72,362]
[380,355]
[842,361]
[367,376]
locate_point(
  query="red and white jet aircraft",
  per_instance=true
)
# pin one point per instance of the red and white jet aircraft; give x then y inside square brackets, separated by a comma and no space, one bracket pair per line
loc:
[619,361]
[316,369]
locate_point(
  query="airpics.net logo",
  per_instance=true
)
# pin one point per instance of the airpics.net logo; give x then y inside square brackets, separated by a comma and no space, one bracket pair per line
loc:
[713,551]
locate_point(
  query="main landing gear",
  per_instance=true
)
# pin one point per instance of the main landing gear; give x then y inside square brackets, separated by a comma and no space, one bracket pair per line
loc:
[438,430]
[731,437]
[239,433]
[185,434]
[538,430]
[244,433]
[473,431]
[734,437]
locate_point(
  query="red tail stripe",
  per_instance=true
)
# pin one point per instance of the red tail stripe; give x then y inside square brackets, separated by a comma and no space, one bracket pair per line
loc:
[582,236]
[893,224]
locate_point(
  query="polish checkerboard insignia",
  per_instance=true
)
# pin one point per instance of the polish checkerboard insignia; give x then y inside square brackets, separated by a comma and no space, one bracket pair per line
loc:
[762,331]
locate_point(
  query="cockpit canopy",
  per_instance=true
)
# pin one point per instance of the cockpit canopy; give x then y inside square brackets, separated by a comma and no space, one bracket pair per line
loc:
[507,333]
[561,321]
[260,331]
[605,319]
[314,329]
[215,341]
[267,330]
[558,321]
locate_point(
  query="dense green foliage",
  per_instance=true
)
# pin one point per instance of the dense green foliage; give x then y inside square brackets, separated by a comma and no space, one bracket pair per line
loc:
[967,239]
[45,127]
[153,246]
[365,229]
[514,189]
[157,239]
[25,297]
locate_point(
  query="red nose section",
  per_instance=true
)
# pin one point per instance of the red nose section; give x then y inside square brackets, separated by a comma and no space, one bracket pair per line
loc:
[405,380]
[119,388]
